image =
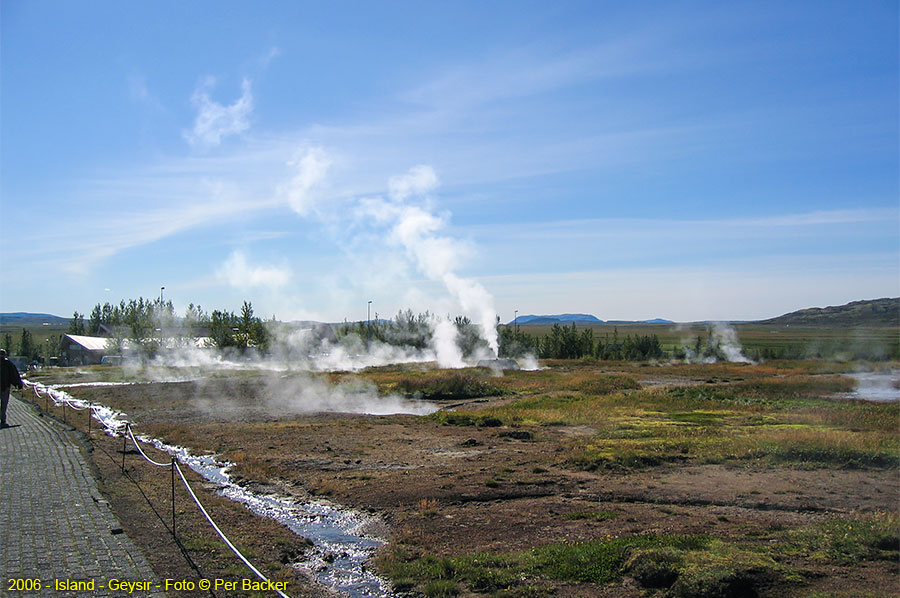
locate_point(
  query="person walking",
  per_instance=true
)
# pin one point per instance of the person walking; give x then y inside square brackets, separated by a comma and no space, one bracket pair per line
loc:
[9,376]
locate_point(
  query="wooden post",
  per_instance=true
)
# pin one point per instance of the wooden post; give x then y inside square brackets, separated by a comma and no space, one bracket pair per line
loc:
[174,535]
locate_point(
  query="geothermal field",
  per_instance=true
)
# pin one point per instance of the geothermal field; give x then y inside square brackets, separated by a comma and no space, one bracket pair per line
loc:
[568,478]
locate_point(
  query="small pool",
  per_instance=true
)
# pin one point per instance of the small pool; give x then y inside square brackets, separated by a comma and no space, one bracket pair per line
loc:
[875,386]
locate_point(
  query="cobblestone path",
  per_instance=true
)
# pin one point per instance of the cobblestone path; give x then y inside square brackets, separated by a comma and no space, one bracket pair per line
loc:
[55,526]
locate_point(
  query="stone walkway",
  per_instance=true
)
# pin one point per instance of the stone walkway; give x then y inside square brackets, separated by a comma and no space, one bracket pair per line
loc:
[55,526]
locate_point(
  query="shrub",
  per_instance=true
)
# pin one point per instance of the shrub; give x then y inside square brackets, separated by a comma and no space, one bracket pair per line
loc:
[442,588]
[453,386]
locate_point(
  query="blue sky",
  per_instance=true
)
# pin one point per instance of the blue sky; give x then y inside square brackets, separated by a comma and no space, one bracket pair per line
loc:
[690,160]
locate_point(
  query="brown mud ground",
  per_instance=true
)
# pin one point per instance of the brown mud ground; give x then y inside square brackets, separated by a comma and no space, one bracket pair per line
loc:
[457,490]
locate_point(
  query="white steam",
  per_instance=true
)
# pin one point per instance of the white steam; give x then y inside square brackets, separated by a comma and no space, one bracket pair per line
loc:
[448,353]
[306,394]
[418,231]
[722,344]
[290,386]
[726,341]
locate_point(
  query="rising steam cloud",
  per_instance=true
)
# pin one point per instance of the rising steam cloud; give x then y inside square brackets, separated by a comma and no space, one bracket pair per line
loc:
[722,345]
[418,231]
[407,221]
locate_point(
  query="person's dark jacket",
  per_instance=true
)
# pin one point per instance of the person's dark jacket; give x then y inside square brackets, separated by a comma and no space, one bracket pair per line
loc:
[9,374]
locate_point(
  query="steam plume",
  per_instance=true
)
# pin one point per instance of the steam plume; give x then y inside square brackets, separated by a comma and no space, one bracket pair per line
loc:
[418,231]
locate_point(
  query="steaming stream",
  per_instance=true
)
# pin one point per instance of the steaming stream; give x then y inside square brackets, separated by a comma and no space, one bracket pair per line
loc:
[340,545]
[875,386]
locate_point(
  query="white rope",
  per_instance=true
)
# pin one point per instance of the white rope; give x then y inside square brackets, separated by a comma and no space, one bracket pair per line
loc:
[40,391]
[77,408]
[222,535]
[57,400]
[143,454]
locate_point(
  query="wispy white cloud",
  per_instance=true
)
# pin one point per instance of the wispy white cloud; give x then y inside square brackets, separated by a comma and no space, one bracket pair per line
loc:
[138,223]
[309,167]
[534,70]
[215,121]
[140,92]
[690,228]
[239,273]
[420,180]
[270,55]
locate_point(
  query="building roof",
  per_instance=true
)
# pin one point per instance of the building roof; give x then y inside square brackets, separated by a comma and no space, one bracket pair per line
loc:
[99,343]
[91,343]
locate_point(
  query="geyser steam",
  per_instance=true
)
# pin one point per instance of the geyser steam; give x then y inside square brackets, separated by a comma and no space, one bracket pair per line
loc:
[417,230]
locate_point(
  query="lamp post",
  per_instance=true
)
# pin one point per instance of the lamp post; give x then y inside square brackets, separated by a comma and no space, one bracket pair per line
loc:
[160,315]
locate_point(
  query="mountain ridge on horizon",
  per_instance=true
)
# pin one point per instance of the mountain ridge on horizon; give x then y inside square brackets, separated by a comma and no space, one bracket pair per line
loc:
[883,311]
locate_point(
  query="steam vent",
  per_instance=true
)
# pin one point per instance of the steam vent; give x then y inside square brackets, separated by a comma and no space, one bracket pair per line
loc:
[499,364]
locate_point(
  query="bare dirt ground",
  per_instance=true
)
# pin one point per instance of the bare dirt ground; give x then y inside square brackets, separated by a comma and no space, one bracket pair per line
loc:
[453,490]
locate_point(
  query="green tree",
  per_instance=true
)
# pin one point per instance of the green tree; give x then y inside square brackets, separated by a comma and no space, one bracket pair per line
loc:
[515,343]
[96,320]
[76,324]
[468,337]
[251,331]
[194,318]
[26,345]
[222,327]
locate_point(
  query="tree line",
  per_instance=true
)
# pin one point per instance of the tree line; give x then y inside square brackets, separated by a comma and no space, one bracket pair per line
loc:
[567,342]
[408,329]
[148,325]
[32,349]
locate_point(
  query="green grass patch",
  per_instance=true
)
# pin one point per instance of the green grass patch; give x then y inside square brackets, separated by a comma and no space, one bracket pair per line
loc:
[596,562]
[604,385]
[686,566]
[464,418]
[592,515]
[446,386]
[849,540]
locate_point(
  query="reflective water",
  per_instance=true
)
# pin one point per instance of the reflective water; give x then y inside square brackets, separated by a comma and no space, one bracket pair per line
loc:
[876,386]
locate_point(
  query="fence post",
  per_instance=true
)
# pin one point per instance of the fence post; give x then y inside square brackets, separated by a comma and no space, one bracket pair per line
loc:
[174,535]
[124,446]
[90,412]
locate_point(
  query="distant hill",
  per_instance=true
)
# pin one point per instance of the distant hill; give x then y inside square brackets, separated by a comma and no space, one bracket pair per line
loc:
[557,319]
[653,321]
[874,312]
[579,319]
[21,318]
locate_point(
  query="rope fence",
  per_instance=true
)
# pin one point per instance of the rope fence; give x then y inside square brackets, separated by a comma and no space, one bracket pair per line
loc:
[65,400]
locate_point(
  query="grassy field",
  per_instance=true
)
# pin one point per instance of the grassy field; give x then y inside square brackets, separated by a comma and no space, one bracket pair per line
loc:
[40,334]
[870,342]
